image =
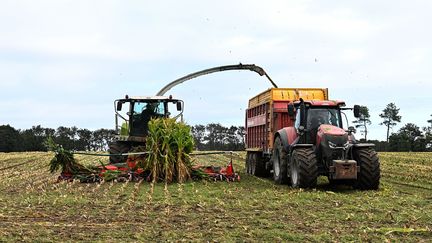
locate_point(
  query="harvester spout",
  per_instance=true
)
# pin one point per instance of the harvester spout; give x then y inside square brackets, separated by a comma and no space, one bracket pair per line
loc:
[251,67]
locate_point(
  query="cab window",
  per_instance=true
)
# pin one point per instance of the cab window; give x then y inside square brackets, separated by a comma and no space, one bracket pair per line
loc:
[319,116]
[297,119]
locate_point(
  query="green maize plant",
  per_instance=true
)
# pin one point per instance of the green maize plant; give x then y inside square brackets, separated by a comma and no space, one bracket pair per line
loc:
[169,144]
[63,160]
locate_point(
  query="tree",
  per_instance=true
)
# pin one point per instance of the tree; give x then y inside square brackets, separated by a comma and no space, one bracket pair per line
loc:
[430,121]
[408,138]
[34,138]
[391,116]
[241,133]
[231,141]
[101,138]
[363,120]
[198,132]
[84,140]
[215,135]
[428,137]
[10,139]
[64,136]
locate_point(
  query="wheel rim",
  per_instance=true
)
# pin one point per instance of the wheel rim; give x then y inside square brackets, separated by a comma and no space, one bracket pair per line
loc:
[294,173]
[276,168]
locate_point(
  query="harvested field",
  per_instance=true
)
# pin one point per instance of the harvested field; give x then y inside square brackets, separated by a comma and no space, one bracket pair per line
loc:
[33,207]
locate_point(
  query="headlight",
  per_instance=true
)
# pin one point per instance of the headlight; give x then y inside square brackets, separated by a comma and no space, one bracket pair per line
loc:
[332,145]
[346,144]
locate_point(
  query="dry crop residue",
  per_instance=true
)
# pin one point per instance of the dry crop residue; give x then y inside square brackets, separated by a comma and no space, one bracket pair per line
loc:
[33,207]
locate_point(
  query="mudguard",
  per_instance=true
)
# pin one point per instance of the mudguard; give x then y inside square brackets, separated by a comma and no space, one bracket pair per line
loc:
[289,141]
[282,133]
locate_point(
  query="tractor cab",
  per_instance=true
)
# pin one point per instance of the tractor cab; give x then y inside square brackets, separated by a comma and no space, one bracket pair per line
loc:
[134,113]
[314,119]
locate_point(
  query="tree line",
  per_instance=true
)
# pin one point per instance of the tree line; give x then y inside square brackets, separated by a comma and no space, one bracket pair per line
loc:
[215,136]
[212,136]
[209,137]
[71,138]
[409,137]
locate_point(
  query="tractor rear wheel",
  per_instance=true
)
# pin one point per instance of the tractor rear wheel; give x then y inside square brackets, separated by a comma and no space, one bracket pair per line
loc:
[303,168]
[279,158]
[369,175]
[118,148]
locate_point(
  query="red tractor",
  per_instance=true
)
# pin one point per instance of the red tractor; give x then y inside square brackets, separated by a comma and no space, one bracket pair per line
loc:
[303,139]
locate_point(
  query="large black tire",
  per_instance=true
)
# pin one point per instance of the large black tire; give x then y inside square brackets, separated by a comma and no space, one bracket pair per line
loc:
[303,168]
[247,162]
[280,159]
[118,148]
[369,176]
[257,166]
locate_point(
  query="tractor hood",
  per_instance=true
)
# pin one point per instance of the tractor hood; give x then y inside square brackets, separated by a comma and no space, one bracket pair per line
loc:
[332,142]
[330,130]
[328,133]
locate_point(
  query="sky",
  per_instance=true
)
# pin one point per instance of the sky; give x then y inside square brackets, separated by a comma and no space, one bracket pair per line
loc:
[64,62]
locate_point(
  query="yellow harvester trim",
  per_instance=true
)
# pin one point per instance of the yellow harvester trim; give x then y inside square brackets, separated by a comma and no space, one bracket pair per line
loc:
[285,94]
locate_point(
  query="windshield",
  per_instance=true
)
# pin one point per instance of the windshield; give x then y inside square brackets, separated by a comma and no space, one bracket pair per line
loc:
[132,116]
[319,116]
[153,108]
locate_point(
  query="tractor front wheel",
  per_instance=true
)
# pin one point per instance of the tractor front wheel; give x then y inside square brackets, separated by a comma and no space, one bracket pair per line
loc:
[279,158]
[369,175]
[118,148]
[303,168]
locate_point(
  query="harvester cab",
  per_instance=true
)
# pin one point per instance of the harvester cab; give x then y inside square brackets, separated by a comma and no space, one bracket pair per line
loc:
[132,115]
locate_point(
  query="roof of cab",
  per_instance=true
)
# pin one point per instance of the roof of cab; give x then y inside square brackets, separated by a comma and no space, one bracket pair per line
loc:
[323,102]
[148,98]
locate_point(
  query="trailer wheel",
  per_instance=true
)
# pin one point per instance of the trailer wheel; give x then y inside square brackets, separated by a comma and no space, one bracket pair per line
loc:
[279,158]
[253,162]
[118,148]
[257,166]
[303,168]
[247,162]
[369,175]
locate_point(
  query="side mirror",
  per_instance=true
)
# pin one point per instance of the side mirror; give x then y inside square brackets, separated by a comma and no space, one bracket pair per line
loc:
[291,110]
[351,129]
[302,113]
[119,106]
[356,111]
[179,106]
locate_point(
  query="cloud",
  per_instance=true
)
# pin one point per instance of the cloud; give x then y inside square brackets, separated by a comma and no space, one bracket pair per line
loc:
[87,53]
